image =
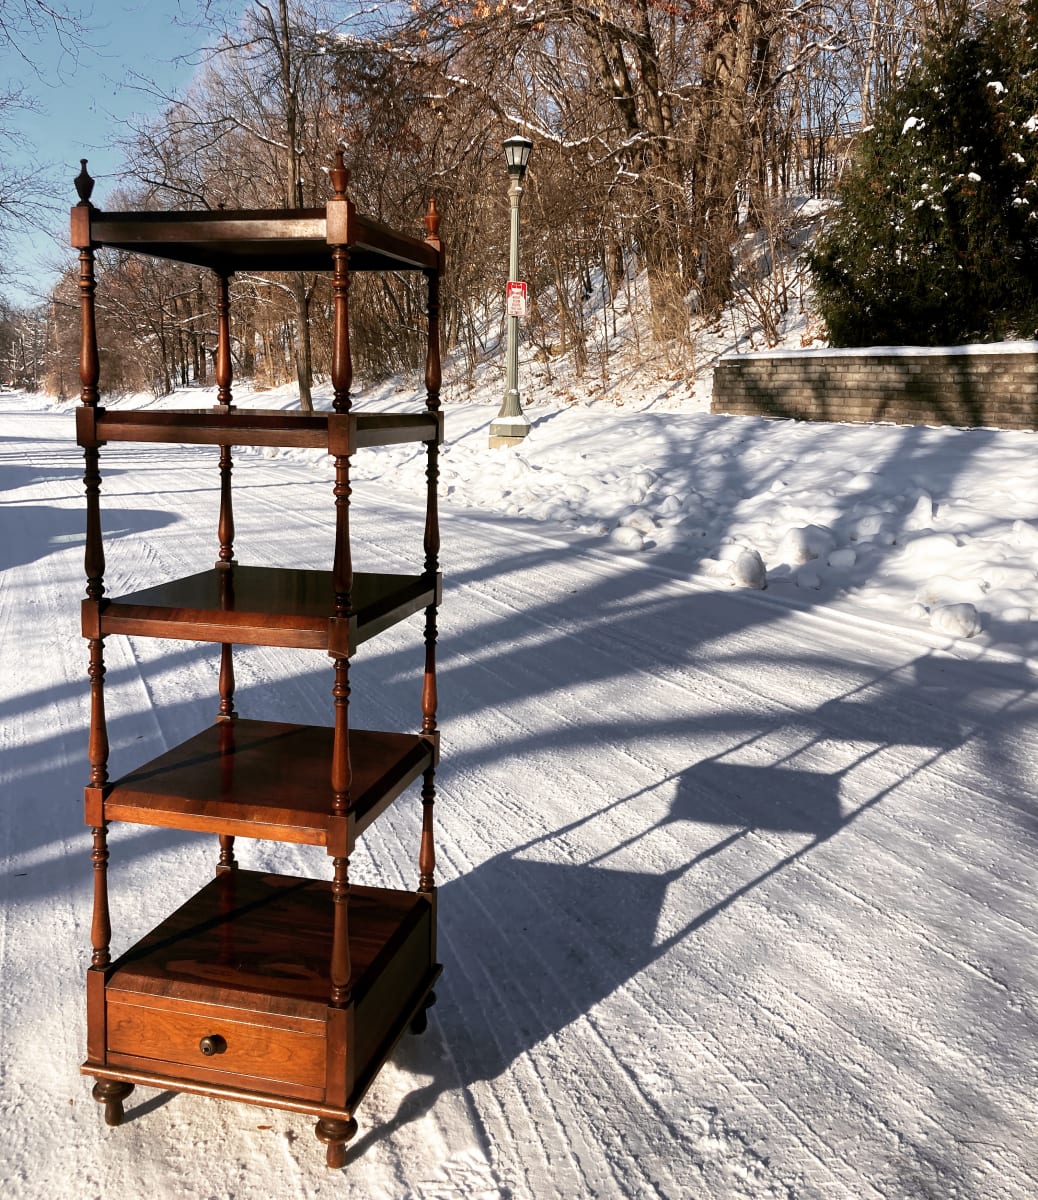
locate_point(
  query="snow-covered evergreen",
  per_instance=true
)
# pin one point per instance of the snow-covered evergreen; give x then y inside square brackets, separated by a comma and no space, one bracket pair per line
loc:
[936,240]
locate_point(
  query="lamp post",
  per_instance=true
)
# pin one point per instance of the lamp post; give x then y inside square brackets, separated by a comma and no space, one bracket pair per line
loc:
[510,425]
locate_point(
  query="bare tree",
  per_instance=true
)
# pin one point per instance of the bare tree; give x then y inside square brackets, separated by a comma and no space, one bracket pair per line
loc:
[251,130]
[28,191]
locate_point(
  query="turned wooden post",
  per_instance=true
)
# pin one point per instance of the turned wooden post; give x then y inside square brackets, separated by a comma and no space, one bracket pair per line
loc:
[88,359]
[433,379]
[94,565]
[97,749]
[334,1133]
[226,711]
[341,965]
[94,555]
[341,772]
[342,560]
[225,527]
[89,373]
[427,854]
[101,925]
[224,398]
[433,376]
[225,562]
[89,366]
[342,586]
[342,362]
[227,732]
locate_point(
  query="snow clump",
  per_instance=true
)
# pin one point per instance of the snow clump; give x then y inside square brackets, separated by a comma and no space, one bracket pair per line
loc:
[807,543]
[956,620]
[741,565]
[626,537]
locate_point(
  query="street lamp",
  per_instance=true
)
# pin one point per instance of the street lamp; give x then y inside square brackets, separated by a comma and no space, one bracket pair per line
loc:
[510,425]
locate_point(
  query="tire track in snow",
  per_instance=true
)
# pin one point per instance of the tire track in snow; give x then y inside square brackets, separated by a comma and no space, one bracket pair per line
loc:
[600,1049]
[718,988]
[553,714]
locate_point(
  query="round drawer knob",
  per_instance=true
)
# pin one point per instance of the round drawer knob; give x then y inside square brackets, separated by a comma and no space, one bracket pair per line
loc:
[212,1043]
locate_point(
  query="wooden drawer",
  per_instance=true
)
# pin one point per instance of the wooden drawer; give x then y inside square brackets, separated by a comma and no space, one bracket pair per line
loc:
[246,960]
[170,1040]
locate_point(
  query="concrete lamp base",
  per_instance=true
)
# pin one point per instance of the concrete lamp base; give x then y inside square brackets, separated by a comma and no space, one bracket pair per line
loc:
[508,431]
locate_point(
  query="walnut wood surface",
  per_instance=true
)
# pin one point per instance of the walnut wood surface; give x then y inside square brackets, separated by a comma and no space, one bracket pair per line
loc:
[340,433]
[269,780]
[259,943]
[265,989]
[275,1056]
[265,606]
[254,240]
[245,963]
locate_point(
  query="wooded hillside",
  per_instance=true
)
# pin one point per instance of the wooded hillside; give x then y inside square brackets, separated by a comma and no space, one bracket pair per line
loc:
[663,132]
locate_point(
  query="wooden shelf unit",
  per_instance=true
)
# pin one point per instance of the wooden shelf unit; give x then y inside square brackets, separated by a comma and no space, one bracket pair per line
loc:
[263,988]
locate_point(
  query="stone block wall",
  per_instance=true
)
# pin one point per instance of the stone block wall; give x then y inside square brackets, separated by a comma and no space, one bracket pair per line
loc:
[976,386]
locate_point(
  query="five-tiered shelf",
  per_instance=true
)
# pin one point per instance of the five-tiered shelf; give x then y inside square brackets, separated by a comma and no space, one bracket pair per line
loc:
[269,989]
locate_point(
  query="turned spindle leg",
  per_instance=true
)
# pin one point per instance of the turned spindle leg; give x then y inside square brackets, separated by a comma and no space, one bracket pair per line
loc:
[335,1134]
[111,1093]
[227,861]
[227,731]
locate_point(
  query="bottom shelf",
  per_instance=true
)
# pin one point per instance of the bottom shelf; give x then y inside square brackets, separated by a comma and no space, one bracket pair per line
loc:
[229,995]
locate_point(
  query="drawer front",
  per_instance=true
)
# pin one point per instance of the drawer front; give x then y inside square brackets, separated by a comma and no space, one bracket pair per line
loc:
[254,1053]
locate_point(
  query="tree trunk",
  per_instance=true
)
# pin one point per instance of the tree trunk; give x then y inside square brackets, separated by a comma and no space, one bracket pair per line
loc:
[725,143]
[303,349]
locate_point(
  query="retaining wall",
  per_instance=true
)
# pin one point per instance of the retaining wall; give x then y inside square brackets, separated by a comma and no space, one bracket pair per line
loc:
[991,386]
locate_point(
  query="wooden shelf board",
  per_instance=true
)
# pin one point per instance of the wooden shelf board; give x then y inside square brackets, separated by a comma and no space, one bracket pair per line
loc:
[340,432]
[266,606]
[264,779]
[257,240]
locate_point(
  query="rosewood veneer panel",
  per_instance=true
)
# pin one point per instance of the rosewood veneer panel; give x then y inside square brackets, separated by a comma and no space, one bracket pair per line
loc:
[268,780]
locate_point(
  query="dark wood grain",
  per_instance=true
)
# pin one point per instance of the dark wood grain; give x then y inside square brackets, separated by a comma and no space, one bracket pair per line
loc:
[255,240]
[269,780]
[277,1056]
[245,963]
[261,988]
[339,433]
[265,606]
[259,943]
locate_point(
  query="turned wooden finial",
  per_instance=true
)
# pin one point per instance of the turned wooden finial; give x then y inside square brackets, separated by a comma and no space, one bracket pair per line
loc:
[84,183]
[431,221]
[339,176]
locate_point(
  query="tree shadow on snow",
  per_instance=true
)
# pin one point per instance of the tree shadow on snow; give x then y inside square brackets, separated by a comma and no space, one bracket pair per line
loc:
[531,947]
[580,932]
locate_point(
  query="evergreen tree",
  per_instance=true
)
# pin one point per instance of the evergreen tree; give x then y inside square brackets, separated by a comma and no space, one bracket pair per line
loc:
[936,238]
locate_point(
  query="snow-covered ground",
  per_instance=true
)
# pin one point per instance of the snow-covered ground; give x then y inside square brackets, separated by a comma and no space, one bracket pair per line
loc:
[737,884]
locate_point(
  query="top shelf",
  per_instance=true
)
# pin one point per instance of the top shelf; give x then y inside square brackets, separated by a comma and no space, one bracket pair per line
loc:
[228,241]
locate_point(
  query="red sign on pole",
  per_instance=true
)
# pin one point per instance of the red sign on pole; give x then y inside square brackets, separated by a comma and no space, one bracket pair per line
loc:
[515,299]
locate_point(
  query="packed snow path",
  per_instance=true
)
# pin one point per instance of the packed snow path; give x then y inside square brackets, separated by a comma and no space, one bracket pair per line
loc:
[737,900]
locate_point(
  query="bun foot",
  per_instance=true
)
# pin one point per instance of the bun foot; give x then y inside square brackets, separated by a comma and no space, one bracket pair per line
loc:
[111,1093]
[335,1134]
[420,1021]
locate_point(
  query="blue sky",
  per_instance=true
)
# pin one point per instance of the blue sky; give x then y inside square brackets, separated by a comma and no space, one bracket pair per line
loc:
[84,102]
